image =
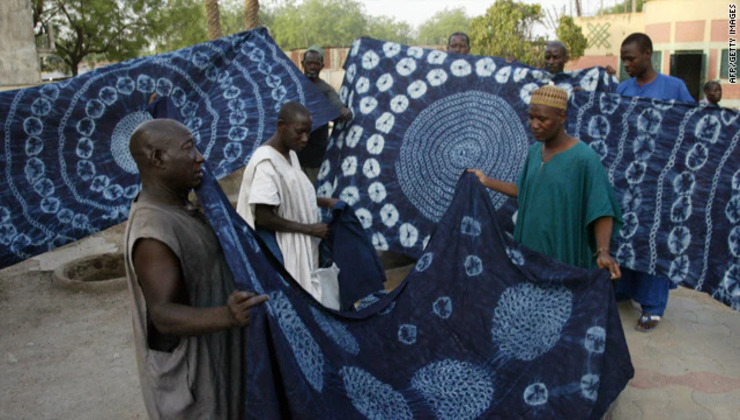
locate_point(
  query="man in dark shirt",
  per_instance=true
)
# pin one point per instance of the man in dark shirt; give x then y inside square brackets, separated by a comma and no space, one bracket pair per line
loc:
[313,154]
[459,43]
[556,55]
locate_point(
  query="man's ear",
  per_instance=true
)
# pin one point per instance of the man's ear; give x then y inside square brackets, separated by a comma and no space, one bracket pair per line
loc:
[156,158]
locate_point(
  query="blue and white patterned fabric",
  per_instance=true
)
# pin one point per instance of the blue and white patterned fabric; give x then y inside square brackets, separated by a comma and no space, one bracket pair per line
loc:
[481,328]
[423,116]
[676,170]
[67,171]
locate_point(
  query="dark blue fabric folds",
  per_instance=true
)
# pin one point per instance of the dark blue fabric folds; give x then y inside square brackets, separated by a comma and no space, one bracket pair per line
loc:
[360,271]
[481,328]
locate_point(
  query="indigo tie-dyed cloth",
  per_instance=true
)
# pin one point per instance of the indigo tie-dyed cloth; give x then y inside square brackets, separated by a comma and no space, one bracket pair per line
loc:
[676,169]
[67,171]
[421,118]
[424,116]
[481,328]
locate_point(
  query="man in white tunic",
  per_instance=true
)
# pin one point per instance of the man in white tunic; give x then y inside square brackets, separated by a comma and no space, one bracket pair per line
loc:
[276,195]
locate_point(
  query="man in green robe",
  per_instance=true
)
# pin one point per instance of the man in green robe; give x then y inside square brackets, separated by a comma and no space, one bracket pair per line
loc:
[567,208]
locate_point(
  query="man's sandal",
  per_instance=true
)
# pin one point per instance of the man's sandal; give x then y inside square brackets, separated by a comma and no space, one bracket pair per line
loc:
[647,322]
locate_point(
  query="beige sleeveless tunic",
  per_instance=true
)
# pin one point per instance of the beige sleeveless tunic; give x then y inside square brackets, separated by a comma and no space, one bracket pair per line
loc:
[204,377]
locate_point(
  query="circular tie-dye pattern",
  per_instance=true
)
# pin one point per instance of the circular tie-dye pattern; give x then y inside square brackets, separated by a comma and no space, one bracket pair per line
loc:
[489,124]
[372,398]
[595,341]
[535,394]
[528,319]
[456,390]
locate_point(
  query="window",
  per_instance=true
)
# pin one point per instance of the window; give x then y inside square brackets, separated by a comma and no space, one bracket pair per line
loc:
[724,64]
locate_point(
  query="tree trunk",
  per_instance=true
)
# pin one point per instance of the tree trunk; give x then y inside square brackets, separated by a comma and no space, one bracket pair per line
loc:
[578,8]
[251,14]
[214,19]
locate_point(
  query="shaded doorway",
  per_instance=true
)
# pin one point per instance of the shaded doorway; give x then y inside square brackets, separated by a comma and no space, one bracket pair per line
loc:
[689,66]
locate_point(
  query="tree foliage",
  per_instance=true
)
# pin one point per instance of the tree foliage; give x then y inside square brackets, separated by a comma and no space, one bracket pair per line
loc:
[115,30]
[324,22]
[182,23]
[437,29]
[505,30]
[572,36]
[329,23]
[389,29]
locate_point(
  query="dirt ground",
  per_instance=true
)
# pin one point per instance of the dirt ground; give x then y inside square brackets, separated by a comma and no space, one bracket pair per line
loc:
[66,353]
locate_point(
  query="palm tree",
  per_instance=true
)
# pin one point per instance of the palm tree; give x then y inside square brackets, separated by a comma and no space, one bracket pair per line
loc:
[214,19]
[251,14]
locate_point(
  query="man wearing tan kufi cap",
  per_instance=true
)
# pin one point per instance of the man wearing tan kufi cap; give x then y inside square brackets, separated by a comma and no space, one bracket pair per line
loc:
[567,208]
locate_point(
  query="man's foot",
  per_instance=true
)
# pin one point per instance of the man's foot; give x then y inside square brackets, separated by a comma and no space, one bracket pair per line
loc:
[647,322]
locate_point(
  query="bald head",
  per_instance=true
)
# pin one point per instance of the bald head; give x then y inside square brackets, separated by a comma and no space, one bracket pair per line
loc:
[168,160]
[556,55]
[156,134]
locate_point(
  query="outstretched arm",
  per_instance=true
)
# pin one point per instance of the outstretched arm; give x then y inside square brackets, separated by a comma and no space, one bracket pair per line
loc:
[159,273]
[265,217]
[603,232]
[508,188]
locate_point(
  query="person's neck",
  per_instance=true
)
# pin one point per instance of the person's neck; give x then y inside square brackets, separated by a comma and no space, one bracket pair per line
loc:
[276,144]
[162,194]
[561,142]
[646,77]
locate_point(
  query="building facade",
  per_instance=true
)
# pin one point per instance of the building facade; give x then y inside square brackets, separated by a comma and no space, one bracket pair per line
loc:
[692,39]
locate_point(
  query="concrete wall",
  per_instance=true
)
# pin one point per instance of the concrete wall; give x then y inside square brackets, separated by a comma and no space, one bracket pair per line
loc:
[19,64]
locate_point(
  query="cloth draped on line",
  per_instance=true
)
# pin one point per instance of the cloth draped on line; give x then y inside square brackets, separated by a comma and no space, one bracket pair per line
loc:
[424,116]
[67,171]
[482,327]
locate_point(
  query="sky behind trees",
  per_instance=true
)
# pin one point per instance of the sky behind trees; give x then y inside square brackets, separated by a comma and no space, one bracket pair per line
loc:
[416,12]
